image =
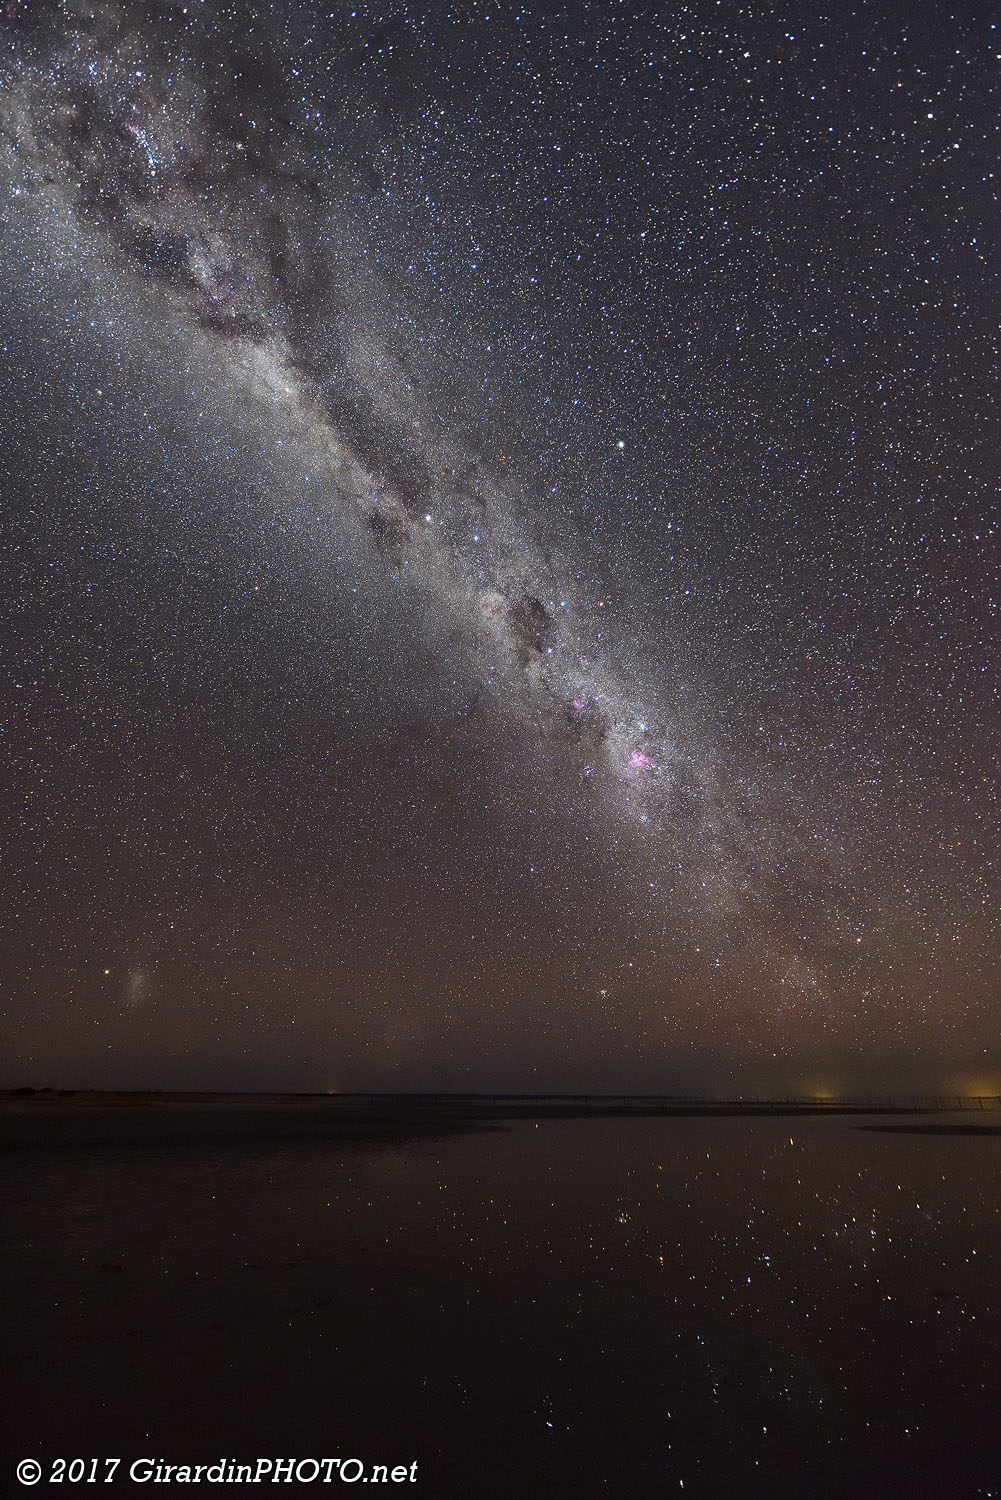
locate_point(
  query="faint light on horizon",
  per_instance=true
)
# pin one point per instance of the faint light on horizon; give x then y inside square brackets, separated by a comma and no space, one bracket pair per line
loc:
[981,1086]
[823,1093]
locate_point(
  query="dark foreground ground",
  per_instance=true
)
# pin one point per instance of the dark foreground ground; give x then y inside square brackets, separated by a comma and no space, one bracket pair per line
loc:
[643,1302]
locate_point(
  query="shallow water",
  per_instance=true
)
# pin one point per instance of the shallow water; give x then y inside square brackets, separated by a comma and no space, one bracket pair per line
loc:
[627,1307]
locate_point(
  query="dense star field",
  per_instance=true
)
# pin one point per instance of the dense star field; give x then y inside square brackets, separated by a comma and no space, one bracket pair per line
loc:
[500,559]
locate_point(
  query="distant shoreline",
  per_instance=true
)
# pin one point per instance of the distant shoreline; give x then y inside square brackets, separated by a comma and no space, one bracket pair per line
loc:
[375,1106]
[112,1120]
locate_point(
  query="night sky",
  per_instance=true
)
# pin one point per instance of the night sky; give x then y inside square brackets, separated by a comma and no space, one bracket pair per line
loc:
[500,557]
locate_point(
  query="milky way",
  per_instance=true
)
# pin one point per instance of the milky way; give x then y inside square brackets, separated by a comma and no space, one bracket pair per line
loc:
[655,572]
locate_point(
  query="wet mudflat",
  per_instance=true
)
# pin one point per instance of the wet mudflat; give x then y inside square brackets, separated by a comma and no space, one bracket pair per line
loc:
[565,1307]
